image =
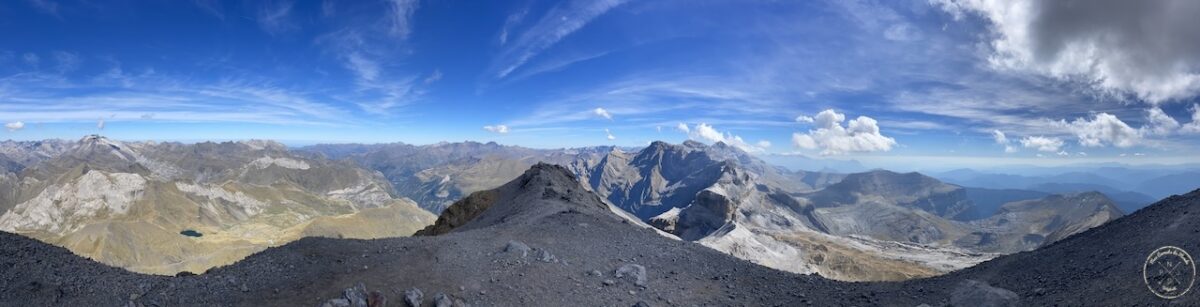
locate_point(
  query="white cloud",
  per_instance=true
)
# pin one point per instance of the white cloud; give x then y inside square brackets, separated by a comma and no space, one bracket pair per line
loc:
[14,126]
[1103,129]
[601,112]
[706,132]
[1046,144]
[46,6]
[1081,154]
[609,135]
[804,119]
[509,22]
[1002,139]
[67,62]
[1158,122]
[559,22]
[1064,153]
[999,137]
[501,129]
[1143,48]
[31,59]
[433,77]
[859,135]
[1194,126]
[401,17]
[903,32]
[100,124]
[683,128]
[275,17]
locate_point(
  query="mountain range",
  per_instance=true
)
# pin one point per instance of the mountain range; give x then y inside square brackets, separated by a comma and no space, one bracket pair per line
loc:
[167,208]
[876,225]
[544,238]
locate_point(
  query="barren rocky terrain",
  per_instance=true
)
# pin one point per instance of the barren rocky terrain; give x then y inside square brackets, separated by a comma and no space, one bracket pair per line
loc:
[543,240]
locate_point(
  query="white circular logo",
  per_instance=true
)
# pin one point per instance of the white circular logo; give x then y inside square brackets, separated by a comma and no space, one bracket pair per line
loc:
[1169,272]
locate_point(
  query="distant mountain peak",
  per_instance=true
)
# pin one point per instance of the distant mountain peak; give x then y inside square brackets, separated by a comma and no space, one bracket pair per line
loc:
[263,144]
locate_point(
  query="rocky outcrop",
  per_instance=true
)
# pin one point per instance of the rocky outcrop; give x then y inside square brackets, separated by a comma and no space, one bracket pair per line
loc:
[543,189]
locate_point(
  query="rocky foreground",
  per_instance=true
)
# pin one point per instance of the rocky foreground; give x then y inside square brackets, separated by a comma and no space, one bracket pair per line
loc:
[544,240]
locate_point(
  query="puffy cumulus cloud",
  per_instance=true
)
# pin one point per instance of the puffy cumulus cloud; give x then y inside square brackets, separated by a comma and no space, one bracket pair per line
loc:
[706,132]
[1103,129]
[1145,48]
[14,126]
[1041,143]
[1002,139]
[1158,122]
[609,135]
[859,135]
[601,112]
[682,128]
[501,129]
[804,119]
[1194,126]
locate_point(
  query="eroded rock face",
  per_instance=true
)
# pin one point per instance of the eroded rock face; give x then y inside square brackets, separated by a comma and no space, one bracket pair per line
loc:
[460,213]
[708,212]
[126,203]
[60,209]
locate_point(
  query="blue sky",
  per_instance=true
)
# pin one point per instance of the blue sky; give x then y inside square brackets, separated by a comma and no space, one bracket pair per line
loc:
[886,80]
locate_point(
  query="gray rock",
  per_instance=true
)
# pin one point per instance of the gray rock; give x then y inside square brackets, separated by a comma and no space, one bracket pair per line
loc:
[632,271]
[545,256]
[357,295]
[977,293]
[608,282]
[443,300]
[595,273]
[517,247]
[413,297]
[337,302]
[641,304]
